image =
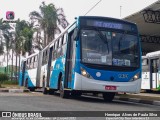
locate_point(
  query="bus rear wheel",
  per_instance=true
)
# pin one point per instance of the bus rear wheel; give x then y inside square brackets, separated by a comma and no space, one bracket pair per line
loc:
[108,96]
[63,93]
[45,91]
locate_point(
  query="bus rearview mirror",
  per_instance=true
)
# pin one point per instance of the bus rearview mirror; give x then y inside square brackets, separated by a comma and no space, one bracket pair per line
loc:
[75,34]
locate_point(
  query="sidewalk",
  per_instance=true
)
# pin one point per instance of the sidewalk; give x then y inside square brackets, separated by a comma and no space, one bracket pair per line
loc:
[145,98]
[14,90]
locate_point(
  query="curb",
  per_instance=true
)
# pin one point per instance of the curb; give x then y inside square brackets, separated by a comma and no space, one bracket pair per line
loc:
[138,100]
[15,90]
[135,100]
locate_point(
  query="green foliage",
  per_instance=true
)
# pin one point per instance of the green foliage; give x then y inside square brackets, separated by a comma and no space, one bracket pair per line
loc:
[9,82]
[48,19]
[3,77]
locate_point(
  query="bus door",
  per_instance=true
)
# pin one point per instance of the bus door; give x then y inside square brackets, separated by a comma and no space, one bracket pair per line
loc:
[23,72]
[70,59]
[154,73]
[145,75]
[49,69]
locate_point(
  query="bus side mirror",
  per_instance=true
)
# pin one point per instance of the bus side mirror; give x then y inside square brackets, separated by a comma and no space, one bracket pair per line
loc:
[75,34]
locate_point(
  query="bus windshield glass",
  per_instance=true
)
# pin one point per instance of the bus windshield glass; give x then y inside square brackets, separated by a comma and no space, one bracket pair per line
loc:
[109,48]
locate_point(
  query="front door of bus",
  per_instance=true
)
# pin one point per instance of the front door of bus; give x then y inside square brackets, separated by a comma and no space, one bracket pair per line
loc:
[69,60]
[154,73]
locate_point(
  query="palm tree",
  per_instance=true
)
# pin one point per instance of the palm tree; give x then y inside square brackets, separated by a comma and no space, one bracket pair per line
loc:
[23,38]
[5,27]
[7,35]
[48,19]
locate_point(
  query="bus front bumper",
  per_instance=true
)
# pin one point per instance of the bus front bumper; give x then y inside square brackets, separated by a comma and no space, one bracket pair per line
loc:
[86,84]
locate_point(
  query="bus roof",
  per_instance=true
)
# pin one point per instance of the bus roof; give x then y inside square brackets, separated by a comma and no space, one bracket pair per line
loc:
[143,57]
[32,55]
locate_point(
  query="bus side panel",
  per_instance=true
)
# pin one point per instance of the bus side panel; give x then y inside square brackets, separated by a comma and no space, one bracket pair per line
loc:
[27,80]
[58,67]
[43,75]
[31,75]
[75,79]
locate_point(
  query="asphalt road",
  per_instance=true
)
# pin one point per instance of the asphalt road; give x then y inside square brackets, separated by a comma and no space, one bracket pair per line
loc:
[38,102]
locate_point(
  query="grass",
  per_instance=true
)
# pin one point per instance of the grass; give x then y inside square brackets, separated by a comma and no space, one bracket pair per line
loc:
[9,84]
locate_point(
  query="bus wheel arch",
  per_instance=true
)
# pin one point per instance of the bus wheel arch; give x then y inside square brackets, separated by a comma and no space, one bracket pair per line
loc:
[26,83]
[59,80]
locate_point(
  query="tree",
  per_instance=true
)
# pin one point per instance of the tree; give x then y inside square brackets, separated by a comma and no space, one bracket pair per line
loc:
[48,20]
[8,36]
[23,38]
[5,27]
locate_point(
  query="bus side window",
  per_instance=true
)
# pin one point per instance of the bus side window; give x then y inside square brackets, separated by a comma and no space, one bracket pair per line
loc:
[64,45]
[35,62]
[43,58]
[59,50]
[26,64]
[32,61]
[54,51]
[64,38]
[46,56]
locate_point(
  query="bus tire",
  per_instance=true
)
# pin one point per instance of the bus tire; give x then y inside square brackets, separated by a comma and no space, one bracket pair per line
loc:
[108,96]
[63,93]
[45,90]
[148,91]
[31,89]
[51,91]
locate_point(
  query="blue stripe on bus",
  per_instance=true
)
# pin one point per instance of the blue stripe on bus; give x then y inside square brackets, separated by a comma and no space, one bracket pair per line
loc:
[30,83]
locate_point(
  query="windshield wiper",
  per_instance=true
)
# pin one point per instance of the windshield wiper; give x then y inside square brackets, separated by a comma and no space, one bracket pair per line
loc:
[119,43]
[103,37]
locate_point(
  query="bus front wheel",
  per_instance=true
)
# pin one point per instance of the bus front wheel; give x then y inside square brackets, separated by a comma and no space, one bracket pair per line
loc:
[108,96]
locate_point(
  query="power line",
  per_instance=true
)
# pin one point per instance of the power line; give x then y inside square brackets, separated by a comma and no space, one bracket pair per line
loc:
[93,7]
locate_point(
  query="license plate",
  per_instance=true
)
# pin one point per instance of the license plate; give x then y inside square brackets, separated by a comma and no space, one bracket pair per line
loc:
[110,87]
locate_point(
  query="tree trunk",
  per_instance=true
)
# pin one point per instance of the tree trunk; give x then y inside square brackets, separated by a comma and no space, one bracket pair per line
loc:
[16,66]
[19,66]
[7,62]
[12,67]
[45,38]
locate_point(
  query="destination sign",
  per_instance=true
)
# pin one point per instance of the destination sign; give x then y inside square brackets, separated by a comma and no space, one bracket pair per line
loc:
[109,24]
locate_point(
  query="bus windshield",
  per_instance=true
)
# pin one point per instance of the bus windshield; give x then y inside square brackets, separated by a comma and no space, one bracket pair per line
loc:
[109,48]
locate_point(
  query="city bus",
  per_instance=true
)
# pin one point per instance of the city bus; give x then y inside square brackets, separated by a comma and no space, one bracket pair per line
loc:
[95,55]
[151,71]
[29,73]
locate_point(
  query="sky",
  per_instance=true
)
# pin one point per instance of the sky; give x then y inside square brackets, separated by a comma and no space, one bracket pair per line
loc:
[73,8]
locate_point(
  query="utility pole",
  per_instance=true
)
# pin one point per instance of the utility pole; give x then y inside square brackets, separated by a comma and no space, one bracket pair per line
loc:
[120,11]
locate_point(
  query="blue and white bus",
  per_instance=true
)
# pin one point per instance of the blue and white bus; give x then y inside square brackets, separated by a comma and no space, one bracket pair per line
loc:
[96,55]
[29,72]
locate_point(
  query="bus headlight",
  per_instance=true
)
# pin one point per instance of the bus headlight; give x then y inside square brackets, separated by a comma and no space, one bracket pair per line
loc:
[85,73]
[136,77]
